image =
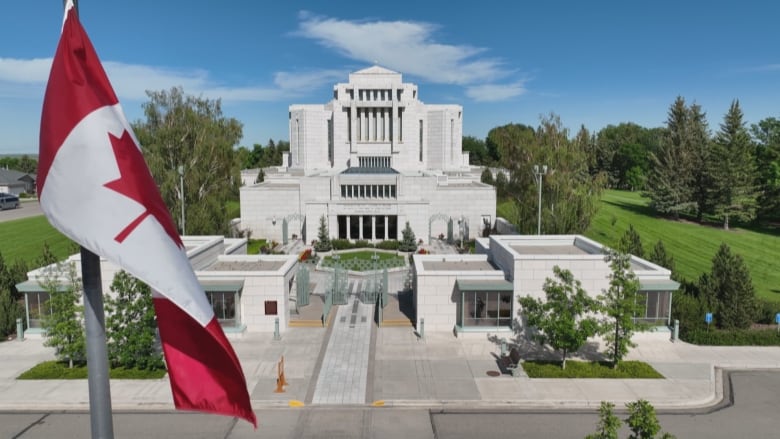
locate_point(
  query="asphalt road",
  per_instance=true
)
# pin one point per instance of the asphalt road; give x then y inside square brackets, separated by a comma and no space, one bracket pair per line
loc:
[26,209]
[752,411]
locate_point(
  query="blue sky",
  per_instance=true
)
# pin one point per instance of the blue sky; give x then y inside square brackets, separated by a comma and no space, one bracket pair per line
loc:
[592,63]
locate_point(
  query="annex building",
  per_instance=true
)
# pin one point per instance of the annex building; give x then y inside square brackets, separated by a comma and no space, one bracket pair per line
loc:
[370,160]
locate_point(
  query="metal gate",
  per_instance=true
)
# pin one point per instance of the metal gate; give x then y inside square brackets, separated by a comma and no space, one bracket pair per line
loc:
[302,287]
[326,307]
[338,285]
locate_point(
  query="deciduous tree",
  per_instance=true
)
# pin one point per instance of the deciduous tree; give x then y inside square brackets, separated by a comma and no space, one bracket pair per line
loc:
[63,327]
[131,325]
[621,306]
[566,319]
[191,132]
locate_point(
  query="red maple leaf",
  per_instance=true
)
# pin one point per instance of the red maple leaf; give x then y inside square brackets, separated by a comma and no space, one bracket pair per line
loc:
[137,184]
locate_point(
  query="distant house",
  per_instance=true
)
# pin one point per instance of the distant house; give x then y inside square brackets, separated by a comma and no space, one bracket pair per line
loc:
[16,182]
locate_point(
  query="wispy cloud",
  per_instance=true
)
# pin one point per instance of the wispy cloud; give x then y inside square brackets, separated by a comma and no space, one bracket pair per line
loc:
[27,78]
[411,47]
[495,92]
[764,68]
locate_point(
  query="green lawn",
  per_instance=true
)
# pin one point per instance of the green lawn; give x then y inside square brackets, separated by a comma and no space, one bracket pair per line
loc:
[589,369]
[23,239]
[691,245]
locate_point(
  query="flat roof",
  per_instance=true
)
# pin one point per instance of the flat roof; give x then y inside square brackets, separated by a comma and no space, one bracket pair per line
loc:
[548,250]
[658,285]
[366,170]
[458,266]
[246,266]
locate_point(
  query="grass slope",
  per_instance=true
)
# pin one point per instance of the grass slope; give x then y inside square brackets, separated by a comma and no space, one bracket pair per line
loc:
[24,238]
[691,245]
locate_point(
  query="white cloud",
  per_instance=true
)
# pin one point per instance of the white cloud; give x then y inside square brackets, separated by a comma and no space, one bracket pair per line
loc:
[495,92]
[21,78]
[405,46]
[764,68]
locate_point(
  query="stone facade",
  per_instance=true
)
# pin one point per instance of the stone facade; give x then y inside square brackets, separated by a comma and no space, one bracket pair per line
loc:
[370,160]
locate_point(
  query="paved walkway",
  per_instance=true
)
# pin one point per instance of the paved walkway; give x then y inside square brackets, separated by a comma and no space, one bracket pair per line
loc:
[404,370]
[343,376]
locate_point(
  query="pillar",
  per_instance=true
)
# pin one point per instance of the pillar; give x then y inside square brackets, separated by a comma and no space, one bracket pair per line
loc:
[349,230]
[386,228]
[386,122]
[373,227]
[360,227]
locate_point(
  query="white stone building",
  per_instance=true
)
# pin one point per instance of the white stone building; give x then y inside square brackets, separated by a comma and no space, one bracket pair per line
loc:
[247,292]
[370,160]
[478,293]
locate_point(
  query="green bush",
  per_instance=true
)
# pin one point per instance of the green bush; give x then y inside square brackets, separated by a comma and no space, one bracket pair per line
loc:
[766,310]
[736,337]
[589,369]
[58,370]
[340,244]
[362,243]
[390,244]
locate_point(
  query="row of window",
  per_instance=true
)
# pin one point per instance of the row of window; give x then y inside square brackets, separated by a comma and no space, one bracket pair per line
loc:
[374,162]
[378,95]
[368,191]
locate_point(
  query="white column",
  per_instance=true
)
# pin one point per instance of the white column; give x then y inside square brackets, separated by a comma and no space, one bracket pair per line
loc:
[364,127]
[386,123]
[360,227]
[386,238]
[348,229]
[373,227]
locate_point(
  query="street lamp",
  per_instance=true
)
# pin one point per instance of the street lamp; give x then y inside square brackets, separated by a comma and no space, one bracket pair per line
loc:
[181,185]
[539,171]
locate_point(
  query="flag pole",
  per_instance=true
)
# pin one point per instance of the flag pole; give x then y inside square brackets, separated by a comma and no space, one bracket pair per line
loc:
[100,414]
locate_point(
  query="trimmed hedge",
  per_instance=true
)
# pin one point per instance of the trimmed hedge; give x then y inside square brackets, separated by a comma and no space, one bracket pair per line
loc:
[737,337]
[58,370]
[589,369]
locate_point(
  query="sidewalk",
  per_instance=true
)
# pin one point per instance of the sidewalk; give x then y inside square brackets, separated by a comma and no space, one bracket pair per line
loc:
[404,370]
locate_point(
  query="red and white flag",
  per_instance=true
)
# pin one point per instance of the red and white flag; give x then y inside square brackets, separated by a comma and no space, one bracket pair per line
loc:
[94,186]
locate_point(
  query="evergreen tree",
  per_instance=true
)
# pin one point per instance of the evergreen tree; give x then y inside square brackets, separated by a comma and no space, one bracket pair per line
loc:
[631,243]
[621,306]
[131,325]
[408,241]
[670,181]
[566,319]
[10,310]
[767,138]
[64,329]
[660,257]
[733,170]
[487,176]
[699,138]
[323,240]
[730,285]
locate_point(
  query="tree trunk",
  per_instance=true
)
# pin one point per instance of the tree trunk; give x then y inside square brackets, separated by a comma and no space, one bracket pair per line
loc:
[563,363]
[615,355]
[726,222]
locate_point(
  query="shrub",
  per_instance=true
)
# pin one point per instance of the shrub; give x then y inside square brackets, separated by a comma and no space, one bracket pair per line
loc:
[766,310]
[735,337]
[59,370]
[390,244]
[340,244]
[362,243]
[589,369]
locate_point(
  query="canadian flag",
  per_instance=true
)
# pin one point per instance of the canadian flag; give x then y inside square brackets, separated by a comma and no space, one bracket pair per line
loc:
[95,187]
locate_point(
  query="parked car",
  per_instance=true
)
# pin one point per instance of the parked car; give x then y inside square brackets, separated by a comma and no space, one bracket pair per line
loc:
[8,201]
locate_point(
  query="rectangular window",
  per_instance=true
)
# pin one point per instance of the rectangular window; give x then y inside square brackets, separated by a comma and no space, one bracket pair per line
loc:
[485,309]
[224,305]
[421,140]
[38,308]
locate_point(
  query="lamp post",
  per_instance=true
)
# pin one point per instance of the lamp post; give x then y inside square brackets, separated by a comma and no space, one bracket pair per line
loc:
[539,171]
[181,185]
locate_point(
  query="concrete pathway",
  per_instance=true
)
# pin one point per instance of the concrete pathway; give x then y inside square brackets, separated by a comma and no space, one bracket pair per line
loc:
[343,376]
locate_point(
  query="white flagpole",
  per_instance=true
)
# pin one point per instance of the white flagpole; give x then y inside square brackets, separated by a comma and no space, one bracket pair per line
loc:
[100,413]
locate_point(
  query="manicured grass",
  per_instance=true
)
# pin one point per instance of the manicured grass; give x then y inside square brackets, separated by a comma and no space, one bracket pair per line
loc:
[233,208]
[254,245]
[58,370]
[23,239]
[589,369]
[362,260]
[692,245]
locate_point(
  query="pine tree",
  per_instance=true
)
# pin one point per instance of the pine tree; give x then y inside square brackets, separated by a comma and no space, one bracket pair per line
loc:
[699,138]
[670,182]
[64,329]
[660,257]
[9,312]
[620,306]
[323,240]
[733,170]
[487,176]
[730,285]
[408,241]
[631,243]
[131,325]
